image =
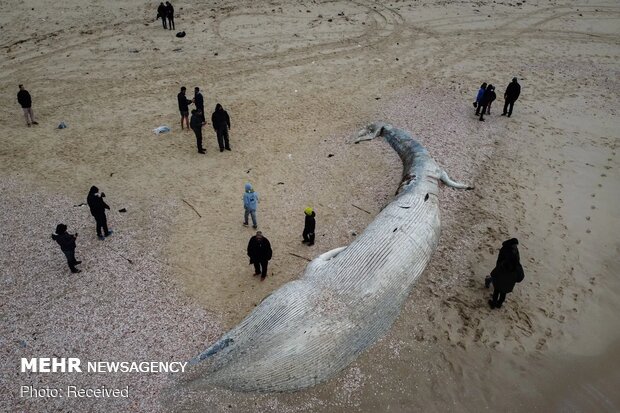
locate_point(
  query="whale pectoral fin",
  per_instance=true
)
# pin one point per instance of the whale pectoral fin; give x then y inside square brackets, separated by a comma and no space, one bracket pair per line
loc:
[323,258]
[453,184]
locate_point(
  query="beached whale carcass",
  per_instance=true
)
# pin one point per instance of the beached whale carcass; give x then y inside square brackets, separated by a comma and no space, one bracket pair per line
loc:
[347,298]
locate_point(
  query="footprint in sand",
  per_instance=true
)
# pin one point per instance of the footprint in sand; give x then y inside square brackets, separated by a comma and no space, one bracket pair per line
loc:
[541,344]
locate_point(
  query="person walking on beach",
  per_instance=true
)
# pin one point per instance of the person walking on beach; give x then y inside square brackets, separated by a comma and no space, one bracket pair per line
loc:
[309,226]
[97,209]
[250,203]
[507,272]
[510,96]
[479,97]
[196,124]
[221,124]
[67,245]
[259,251]
[484,101]
[161,13]
[199,102]
[184,103]
[170,15]
[24,99]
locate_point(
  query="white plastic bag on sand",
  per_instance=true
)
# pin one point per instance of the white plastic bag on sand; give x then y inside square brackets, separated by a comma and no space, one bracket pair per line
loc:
[161,129]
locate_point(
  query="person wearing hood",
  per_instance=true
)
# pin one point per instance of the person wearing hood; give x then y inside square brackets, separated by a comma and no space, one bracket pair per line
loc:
[196,124]
[492,97]
[199,102]
[250,203]
[486,99]
[479,96]
[97,209]
[259,251]
[309,226]
[170,15]
[510,96]
[507,272]
[67,245]
[162,13]
[221,124]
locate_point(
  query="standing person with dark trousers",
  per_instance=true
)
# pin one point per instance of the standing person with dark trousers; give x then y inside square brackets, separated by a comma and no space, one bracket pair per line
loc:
[259,251]
[510,96]
[170,15]
[199,102]
[309,226]
[492,97]
[67,245]
[507,272]
[196,124]
[221,124]
[24,99]
[97,209]
[162,13]
[484,102]
[184,103]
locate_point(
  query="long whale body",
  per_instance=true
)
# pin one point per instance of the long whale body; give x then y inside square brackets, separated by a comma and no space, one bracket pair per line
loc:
[311,328]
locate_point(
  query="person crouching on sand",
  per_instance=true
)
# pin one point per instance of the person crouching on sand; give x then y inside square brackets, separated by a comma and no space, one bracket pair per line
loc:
[67,245]
[507,272]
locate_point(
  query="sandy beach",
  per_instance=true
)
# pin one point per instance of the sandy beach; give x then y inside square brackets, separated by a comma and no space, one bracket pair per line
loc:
[299,79]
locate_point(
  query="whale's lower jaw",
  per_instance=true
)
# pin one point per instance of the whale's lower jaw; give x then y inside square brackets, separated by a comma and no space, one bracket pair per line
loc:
[311,328]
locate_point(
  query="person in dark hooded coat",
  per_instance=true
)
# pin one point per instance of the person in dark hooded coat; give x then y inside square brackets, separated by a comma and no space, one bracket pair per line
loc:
[221,124]
[507,272]
[162,13]
[259,251]
[510,96]
[309,226]
[97,209]
[485,101]
[67,245]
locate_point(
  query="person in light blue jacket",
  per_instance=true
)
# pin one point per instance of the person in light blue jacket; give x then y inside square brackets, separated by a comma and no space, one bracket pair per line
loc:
[250,203]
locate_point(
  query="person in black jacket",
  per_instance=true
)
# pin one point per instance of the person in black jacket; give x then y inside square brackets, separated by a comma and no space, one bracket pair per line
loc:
[97,209]
[507,272]
[492,97]
[170,15]
[199,102]
[309,226]
[24,99]
[221,124]
[196,124]
[510,96]
[161,13]
[184,103]
[259,251]
[485,101]
[67,245]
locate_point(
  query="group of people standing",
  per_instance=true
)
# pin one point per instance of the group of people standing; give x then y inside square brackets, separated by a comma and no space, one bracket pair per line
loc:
[259,248]
[486,95]
[166,13]
[66,241]
[219,119]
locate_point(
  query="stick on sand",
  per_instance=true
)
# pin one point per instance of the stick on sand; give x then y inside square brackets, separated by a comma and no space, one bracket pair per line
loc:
[361,209]
[299,256]
[192,207]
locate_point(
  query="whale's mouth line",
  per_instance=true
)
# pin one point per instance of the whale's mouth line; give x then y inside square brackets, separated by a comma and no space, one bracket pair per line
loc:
[342,305]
